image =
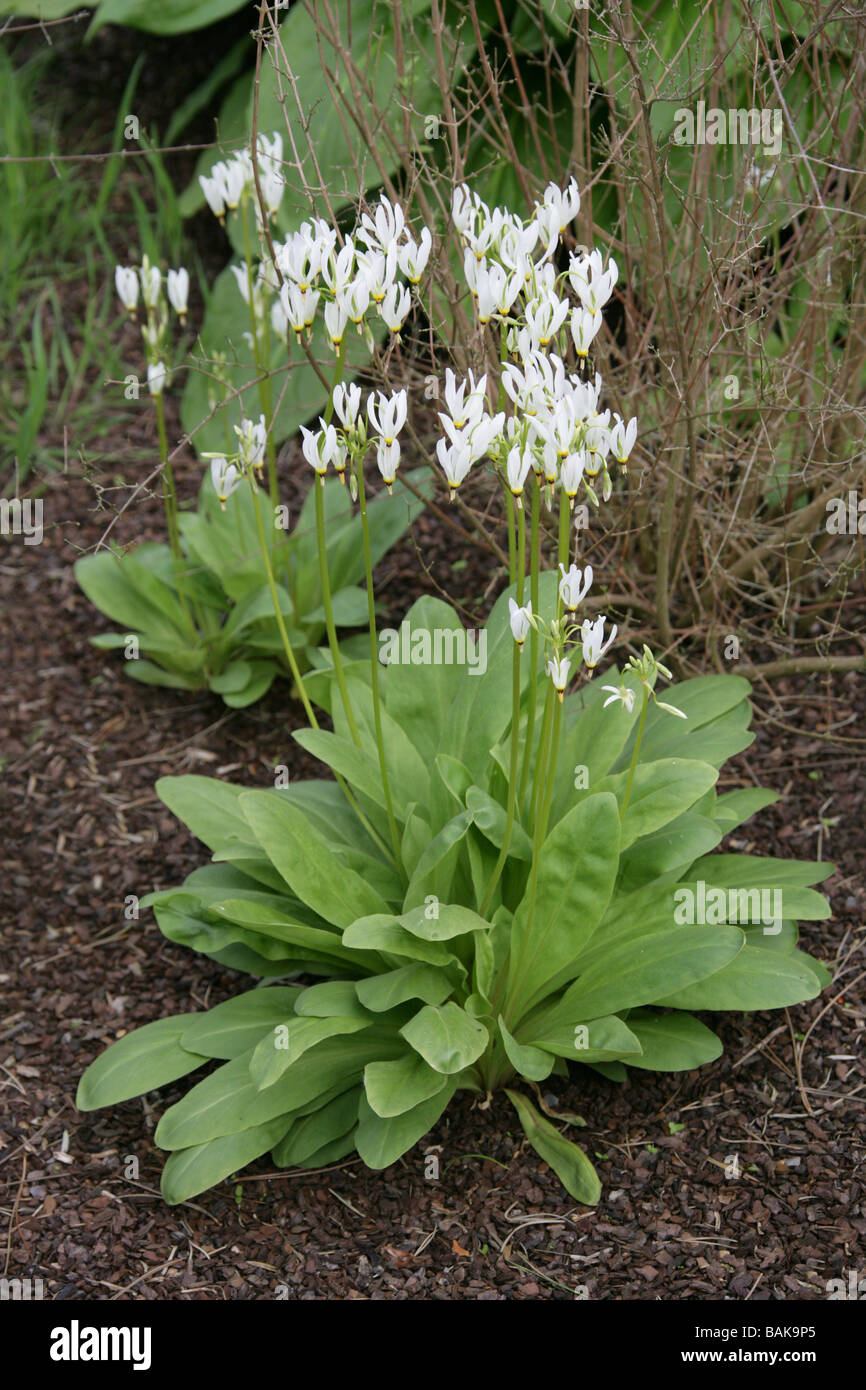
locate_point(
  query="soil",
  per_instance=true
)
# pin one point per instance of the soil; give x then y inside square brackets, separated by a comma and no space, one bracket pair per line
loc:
[744,1180]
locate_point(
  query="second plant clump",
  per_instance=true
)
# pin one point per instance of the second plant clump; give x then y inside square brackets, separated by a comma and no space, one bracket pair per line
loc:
[506,874]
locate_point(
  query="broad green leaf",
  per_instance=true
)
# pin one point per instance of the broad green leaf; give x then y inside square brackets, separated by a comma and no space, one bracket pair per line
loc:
[433,871]
[190,1171]
[229,1029]
[631,975]
[320,1129]
[672,1042]
[569,1163]
[163,17]
[286,1042]
[208,807]
[595,1040]
[141,1061]
[304,859]
[392,1088]
[577,869]
[734,808]
[529,1061]
[418,981]
[755,979]
[228,1101]
[661,791]
[332,999]
[491,819]
[441,921]
[380,932]
[446,1037]
[380,1142]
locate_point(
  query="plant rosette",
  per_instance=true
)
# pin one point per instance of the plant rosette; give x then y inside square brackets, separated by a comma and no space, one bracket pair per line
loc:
[445,965]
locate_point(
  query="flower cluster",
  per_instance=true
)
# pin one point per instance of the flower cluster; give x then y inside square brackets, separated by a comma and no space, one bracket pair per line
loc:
[146,281]
[565,634]
[233,180]
[334,445]
[352,279]
[555,426]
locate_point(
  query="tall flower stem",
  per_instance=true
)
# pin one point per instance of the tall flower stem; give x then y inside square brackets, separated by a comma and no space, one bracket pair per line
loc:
[278,614]
[170,499]
[512,782]
[636,753]
[323,567]
[534,570]
[374,657]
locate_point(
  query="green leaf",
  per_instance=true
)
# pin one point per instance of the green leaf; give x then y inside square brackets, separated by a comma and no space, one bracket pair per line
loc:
[630,975]
[382,992]
[304,859]
[380,1142]
[392,1088]
[448,921]
[569,1163]
[577,869]
[529,1061]
[385,933]
[446,1037]
[672,1042]
[162,17]
[139,1062]
[319,1130]
[755,979]
[234,1027]
[596,1040]
[208,807]
[661,791]
[286,1042]
[193,1170]
[228,1101]
[333,999]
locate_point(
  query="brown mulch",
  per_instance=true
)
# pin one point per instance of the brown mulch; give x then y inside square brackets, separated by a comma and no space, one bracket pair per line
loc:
[81,747]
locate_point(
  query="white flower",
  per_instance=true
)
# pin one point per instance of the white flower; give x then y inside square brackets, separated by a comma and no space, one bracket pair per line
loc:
[592,638]
[584,326]
[456,461]
[336,318]
[517,466]
[177,286]
[462,408]
[520,619]
[355,299]
[558,669]
[151,279]
[593,285]
[379,269]
[225,478]
[319,447]
[621,694]
[496,291]
[385,227]
[338,270]
[545,316]
[213,188]
[413,257]
[574,585]
[252,438]
[299,306]
[622,438]
[389,416]
[388,459]
[395,307]
[347,403]
[564,202]
[157,376]
[235,176]
[126,284]
[571,473]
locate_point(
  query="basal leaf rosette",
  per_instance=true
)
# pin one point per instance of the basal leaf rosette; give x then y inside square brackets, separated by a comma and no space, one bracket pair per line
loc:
[432,972]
